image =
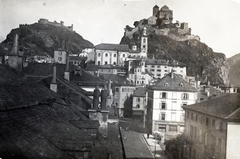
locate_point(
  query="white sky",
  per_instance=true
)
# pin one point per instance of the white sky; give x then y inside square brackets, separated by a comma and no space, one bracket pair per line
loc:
[217,22]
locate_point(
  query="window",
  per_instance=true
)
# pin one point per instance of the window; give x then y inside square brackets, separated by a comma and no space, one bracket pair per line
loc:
[187,114]
[164,95]
[196,117]
[98,62]
[162,128]
[106,55]
[191,116]
[123,55]
[114,55]
[173,128]
[213,124]
[205,139]
[106,62]
[138,99]
[138,106]
[117,89]
[144,40]
[144,46]
[59,53]
[99,54]
[59,59]
[163,106]
[158,70]
[207,121]
[221,126]
[184,96]
[162,116]
[174,106]
[173,116]
[174,95]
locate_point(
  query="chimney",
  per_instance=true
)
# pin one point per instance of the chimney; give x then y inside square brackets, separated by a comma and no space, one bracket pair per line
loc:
[96,97]
[53,85]
[104,99]
[172,74]
[14,50]
[66,72]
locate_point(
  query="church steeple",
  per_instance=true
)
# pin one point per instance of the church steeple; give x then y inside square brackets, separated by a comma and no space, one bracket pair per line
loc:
[144,42]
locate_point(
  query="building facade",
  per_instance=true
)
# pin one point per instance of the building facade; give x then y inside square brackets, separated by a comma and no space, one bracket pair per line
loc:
[60,56]
[161,67]
[213,128]
[165,101]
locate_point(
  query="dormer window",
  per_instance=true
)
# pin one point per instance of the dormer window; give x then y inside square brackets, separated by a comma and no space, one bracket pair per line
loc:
[181,84]
[166,84]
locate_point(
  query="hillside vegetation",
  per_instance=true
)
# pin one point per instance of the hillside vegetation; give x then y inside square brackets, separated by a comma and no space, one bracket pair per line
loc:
[43,39]
[234,73]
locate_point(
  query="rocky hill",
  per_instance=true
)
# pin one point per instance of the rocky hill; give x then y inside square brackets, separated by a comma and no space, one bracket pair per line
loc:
[42,39]
[234,73]
[202,62]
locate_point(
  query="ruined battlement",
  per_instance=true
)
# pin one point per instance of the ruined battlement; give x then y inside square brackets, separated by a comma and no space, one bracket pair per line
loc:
[55,23]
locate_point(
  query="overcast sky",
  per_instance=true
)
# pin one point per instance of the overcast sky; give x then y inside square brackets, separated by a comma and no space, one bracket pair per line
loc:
[217,22]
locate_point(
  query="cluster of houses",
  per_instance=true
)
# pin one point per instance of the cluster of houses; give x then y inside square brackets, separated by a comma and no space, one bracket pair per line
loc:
[162,95]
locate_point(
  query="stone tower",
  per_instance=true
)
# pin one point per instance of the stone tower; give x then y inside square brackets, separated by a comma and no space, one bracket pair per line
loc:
[14,58]
[155,10]
[144,42]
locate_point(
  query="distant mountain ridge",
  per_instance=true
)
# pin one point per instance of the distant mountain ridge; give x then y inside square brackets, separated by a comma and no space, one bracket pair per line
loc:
[166,40]
[234,73]
[43,38]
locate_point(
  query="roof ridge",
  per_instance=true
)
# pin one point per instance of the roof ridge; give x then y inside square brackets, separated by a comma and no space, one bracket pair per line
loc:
[232,113]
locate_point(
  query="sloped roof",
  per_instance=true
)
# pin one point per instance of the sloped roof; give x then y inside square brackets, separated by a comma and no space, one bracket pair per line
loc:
[173,82]
[227,107]
[31,125]
[139,92]
[117,47]
[135,145]
[116,79]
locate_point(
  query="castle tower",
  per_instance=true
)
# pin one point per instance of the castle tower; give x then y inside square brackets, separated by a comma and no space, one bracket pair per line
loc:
[155,10]
[144,42]
[14,58]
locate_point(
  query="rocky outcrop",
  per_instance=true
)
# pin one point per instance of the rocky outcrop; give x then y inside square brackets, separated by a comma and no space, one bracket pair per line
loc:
[41,38]
[202,62]
[234,73]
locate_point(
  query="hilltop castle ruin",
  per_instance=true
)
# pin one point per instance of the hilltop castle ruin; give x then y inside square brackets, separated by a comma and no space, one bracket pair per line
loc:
[61,24]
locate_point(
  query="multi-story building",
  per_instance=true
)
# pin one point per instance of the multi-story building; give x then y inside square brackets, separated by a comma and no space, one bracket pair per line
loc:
[160,67]
[137,73]
[122,92]
[165,101]
[114,54]
[139,103]
[213,128]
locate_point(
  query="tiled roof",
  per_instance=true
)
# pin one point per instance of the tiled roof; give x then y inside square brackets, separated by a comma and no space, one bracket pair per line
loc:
[156,62]
[173,83]
[227,106]
[117,47]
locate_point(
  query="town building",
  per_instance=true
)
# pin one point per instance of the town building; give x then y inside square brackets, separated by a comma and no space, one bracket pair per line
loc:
[212,128]
[165,101]
[139,104]
[137,73]
[60,56]
[161,67]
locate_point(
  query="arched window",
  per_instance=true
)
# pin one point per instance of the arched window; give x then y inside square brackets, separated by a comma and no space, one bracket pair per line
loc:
[99,54]
[106,55]
[98,62]
[138,99]
[123,55]
[114,55]
[114,63]
[138,106]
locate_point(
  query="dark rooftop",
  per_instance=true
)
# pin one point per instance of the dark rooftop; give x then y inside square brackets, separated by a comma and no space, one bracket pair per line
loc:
[175,83]
[135,145]
[117,47]
[227,107]
[139,92]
